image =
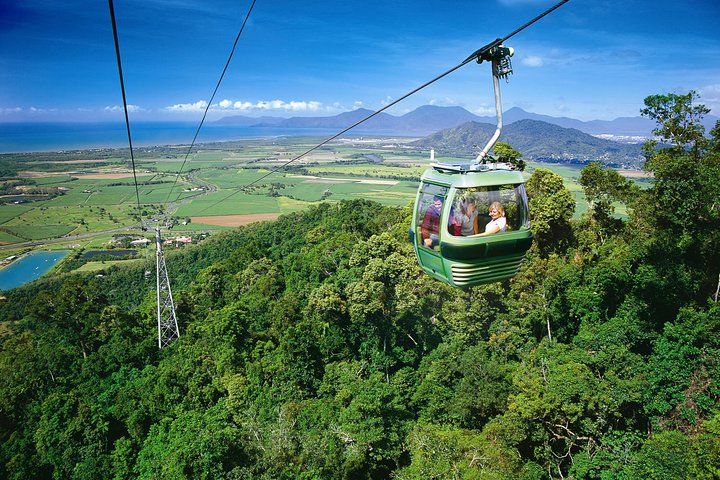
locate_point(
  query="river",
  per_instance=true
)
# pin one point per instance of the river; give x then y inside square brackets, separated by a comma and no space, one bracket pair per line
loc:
[29,268]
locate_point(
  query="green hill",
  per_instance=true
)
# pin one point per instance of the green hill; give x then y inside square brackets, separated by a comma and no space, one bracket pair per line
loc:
[539,141]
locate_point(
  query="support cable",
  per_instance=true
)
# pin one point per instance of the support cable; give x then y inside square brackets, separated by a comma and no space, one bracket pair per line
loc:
[167,320]
[125,108]
[477,56]
[212,97]
[479,53]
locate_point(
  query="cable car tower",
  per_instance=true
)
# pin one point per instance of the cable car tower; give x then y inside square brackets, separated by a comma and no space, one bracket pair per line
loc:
[167,321]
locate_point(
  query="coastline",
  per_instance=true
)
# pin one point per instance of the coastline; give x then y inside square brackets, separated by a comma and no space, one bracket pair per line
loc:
[24,138]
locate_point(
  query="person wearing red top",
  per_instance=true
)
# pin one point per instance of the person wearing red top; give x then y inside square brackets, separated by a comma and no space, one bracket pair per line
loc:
[430,226]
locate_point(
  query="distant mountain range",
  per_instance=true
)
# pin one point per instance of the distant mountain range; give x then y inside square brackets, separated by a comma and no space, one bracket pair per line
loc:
[455,130]
[430,119]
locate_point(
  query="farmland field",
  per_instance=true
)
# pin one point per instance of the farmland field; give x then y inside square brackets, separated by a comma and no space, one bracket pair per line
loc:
[38,232]
[228,202]
[218,186]
[10,211]
[8,238]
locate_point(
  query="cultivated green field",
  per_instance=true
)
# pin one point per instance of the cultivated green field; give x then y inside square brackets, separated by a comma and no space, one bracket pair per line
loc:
[8,238]
[10,211]
[102,266]
[90,199]
[229,202]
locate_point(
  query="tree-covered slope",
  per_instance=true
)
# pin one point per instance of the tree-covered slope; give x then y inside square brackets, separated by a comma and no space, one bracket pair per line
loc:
[313,347]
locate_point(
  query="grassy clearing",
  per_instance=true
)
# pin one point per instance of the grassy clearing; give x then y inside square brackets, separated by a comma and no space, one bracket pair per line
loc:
[105,191]
[99,242]
[234,179]
[52,180]
[83,217]
[308,192]
[288,205]
[94,267]
[196,227]
[374,170]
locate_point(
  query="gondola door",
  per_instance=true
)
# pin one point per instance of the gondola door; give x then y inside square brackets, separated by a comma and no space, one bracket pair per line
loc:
[429,218]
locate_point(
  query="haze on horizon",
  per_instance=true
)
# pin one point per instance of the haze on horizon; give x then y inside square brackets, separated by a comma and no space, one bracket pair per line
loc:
[585,60]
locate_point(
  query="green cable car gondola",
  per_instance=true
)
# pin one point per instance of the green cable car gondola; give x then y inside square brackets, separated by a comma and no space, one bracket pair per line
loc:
[470,222]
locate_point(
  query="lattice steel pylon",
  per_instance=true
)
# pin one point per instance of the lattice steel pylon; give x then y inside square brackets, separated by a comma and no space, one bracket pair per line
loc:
[167,321]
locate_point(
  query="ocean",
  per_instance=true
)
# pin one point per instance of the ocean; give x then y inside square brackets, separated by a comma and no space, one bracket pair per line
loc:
[48,137]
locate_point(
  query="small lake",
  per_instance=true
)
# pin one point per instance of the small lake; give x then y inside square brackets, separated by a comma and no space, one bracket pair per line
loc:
[29,268]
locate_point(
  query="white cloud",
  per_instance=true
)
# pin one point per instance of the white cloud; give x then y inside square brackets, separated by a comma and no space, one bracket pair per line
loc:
[243,106]
[198,106]
[561,106]
[386,101]
[311,106]
[297,106]
[293,106]
[532,61]
[443,102]
[119,108]
[266,105]
[229,105]
[484,111]
[42,110]
[710,97]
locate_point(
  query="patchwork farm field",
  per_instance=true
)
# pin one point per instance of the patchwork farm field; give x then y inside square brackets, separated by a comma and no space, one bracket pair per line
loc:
[73,195]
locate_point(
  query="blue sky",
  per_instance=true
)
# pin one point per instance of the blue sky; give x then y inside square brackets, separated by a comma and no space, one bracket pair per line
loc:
[590,59]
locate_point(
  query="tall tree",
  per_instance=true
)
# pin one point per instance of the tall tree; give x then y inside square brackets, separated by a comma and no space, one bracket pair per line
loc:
[603,187]
[683,206]
[551,208]
[504,152]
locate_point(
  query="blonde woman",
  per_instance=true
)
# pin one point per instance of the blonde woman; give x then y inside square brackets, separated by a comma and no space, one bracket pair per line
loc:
[498,222]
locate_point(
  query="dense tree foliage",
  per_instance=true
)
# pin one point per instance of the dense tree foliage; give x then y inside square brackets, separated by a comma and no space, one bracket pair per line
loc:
[313,347]
[504,152]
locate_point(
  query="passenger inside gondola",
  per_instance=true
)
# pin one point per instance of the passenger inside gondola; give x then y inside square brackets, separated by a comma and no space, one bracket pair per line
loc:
[430,227]
[498,222]
[487,211]
[468,218]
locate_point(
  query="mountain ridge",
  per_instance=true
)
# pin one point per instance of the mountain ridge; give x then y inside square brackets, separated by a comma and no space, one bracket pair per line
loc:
[537,140]
[455,131]
[429,119]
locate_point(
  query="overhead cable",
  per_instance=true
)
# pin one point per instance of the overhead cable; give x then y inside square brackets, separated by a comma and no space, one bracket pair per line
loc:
[212,97]
[125,108]
[477,55]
